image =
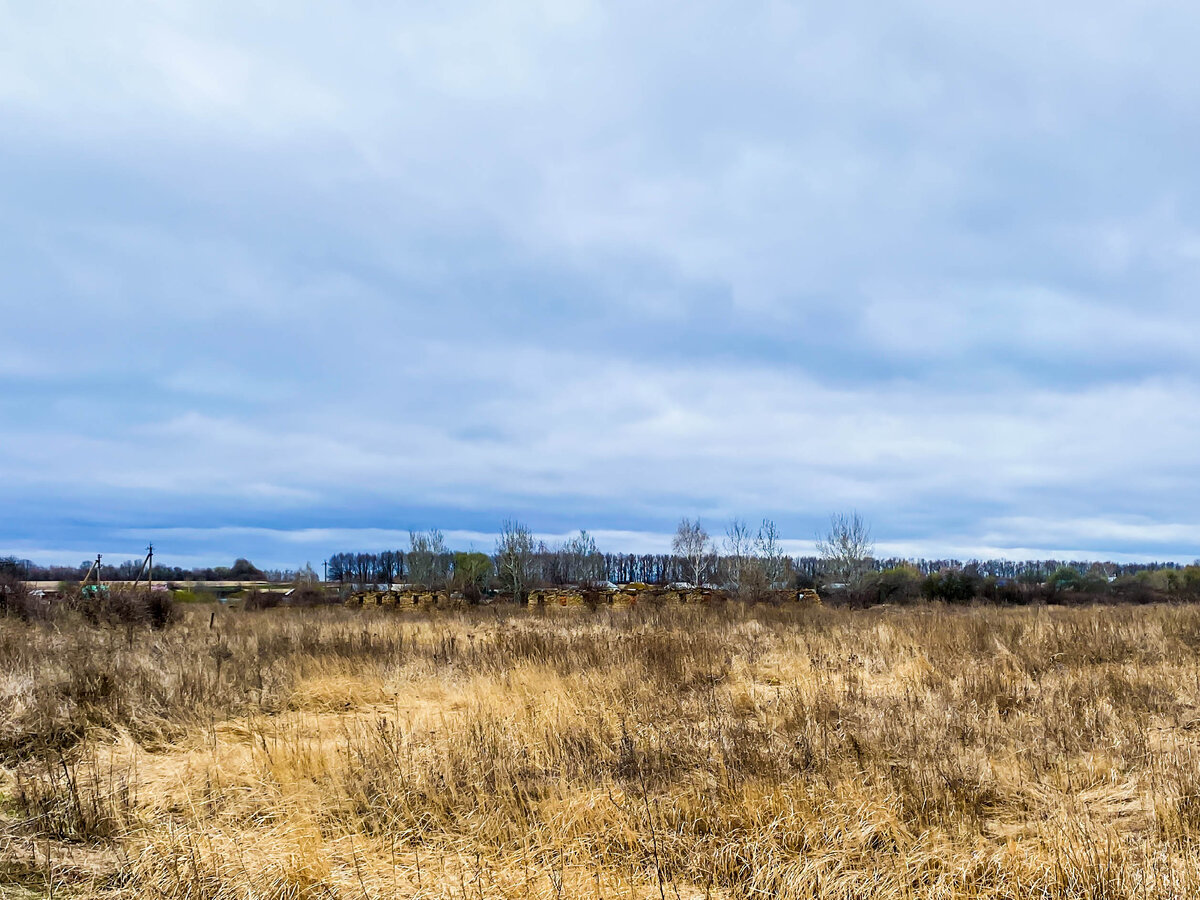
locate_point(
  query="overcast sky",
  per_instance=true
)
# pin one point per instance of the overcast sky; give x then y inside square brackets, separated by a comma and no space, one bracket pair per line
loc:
[283,279]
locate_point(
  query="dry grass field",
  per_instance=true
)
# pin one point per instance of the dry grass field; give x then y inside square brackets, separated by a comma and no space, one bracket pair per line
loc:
[681,752]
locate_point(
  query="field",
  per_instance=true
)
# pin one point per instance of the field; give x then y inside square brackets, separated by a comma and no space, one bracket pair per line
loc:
[669,752]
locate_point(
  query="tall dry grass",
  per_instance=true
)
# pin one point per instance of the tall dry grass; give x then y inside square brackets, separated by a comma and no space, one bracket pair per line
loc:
[665,753]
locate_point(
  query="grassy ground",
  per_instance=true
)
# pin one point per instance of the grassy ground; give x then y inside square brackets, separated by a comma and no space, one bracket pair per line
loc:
[663,753]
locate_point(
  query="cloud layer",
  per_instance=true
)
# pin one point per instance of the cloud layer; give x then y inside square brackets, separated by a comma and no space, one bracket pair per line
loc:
[280,280]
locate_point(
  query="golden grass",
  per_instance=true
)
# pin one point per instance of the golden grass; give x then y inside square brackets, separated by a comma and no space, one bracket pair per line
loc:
[662,753]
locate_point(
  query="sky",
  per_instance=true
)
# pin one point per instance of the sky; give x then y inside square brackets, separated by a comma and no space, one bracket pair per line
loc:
[283,279]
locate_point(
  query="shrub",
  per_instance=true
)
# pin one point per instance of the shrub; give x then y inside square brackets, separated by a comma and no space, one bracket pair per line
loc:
[1188,583]
[754,586]
[1095,581]
[1011,591]
[1067,582]
[306,593]
[471,574]
[952,585]
[1135,589]
[122,605]
[17,600]
[160,608]
[1065,579]
[900,584]
[258,599]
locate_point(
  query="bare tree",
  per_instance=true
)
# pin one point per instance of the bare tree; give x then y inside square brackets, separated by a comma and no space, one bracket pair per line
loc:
[388,566]
[583,563]
[738,546]
[773,560]
[515,562]
[847,548]
[364,569]
[428,559]
[306,575]
[691,545]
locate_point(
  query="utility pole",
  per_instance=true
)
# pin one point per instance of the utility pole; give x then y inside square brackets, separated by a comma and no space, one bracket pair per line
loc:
[147,566]
[326,565]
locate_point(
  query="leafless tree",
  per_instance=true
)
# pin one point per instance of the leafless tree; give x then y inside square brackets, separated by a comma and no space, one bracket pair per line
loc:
[515,562]
[388,566]
[306,575]
[691,545]
[739,547]
[583,563]
[364,569]
[428,559]
[847,548]
[773,560]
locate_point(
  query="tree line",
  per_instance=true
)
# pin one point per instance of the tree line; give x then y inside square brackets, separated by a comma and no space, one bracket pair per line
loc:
[744,560]
[240,570]
[358,568]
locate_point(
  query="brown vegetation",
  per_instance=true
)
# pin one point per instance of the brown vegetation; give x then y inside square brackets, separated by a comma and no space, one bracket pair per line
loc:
[653,751]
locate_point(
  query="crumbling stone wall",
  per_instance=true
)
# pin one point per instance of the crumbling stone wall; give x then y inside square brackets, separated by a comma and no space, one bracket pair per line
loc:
[571,596]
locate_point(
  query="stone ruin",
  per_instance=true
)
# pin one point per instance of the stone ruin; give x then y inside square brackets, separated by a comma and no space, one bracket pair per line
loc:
[574,596]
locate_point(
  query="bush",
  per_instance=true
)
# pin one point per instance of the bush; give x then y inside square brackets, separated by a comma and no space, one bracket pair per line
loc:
[803,581]
[160,609]
[1095,581]
[754,586]
[1188,583]
[17,600]
[471,574]
[122,605]
[1065,580]
[307,593]
[1012,591]
[256,599]
[952,585]
[1067,584]
[1135,589]
[900,584]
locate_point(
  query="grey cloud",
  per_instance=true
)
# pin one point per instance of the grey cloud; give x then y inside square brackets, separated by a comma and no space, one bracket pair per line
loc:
[283,268]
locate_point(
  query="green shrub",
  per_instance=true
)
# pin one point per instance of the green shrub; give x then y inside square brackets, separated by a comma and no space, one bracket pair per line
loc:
[1065,579]
[952,585]
[1189,582]
[472,571]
